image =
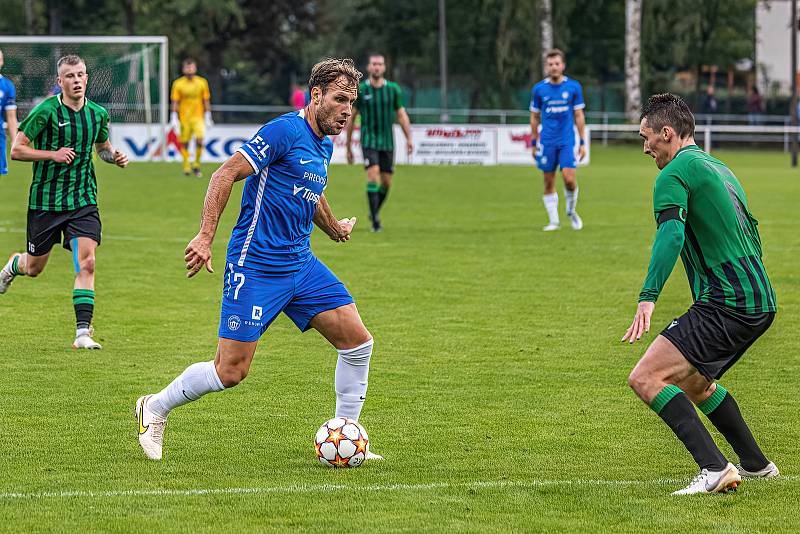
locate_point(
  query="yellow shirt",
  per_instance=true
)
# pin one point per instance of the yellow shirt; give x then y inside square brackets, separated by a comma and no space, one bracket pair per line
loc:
[190,95]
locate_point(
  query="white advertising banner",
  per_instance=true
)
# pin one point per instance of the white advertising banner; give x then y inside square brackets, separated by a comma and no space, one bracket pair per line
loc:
[434,144]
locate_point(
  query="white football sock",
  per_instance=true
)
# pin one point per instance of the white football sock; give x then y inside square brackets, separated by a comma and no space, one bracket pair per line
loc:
[197,380]
[571,198]
[551,205]
[352,370]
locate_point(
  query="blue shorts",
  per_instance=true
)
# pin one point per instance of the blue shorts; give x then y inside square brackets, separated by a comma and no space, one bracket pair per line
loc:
[252,299]
[3,161]
[548,156]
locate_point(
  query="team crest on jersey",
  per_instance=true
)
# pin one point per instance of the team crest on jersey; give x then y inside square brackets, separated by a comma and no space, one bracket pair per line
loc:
[564,95]
[234,322]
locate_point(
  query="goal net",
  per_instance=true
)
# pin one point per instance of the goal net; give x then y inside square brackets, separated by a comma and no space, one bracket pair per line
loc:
[127,75]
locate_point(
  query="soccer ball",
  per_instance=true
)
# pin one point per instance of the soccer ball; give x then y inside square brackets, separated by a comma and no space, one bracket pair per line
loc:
[341,442]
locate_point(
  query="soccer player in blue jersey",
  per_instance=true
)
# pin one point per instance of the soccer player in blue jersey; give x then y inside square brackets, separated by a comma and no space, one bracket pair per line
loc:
[269,267]
[8,115]
[557,105]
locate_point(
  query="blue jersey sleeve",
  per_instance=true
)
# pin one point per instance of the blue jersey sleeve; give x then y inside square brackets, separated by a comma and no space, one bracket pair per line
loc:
[269,144]
[577,97]
[536,100]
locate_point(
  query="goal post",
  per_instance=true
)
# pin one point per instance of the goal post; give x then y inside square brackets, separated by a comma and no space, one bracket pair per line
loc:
[128,75]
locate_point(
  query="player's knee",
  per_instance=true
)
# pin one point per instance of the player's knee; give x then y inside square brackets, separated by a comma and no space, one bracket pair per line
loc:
[87,265]
[639,383]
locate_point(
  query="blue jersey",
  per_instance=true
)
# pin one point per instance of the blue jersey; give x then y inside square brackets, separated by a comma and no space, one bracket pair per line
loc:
[290,164]
[8,101]
[557,104]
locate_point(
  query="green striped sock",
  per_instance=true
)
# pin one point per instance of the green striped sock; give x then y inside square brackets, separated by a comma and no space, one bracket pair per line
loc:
[15,267]
[373,187]
[664,396]
[83,296]
[713,402]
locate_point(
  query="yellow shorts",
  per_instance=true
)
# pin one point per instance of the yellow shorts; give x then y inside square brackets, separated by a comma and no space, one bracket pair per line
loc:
[193,127]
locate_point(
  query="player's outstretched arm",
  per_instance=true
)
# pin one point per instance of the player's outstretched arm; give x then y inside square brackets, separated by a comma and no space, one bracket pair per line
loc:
[338,230]
[107,153]
[22,150]
[198,252]
[666,250]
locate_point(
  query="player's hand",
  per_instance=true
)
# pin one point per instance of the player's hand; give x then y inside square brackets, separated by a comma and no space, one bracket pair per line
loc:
[120,159]
[64,155]
[350,158]
[209,119]
[174,121]
[198,254]
[345,229]
[641,322]
[582,153]
[409,147]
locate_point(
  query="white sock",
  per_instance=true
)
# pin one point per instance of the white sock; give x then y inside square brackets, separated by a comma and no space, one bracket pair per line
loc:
[197,380]
[551,205]
[81,332]
[352,370]
[571,198]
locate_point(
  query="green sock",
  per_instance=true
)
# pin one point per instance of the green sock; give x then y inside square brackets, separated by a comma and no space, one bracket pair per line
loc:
[83,302]
[15,267]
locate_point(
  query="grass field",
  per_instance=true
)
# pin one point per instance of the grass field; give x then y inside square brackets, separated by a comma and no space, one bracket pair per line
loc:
[497,390]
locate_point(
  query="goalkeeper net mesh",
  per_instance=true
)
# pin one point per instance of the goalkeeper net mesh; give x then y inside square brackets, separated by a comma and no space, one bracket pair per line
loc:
[124,77]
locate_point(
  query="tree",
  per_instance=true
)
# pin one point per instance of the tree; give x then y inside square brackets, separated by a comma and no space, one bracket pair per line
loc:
[633,45]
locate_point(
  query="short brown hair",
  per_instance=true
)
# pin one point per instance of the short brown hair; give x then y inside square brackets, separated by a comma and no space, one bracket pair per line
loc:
[666,109]
[189,61]
[70,59]
[555,52]
[329,70]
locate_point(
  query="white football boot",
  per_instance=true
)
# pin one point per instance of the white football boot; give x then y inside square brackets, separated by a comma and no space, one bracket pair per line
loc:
[150,429]
[771,471]
[371,455]
[85,341]
[575,220]
[551,227]
[5,274]
[713,481]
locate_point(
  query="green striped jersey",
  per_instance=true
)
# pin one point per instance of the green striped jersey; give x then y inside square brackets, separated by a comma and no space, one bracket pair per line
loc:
[378,108]
[52,125]
[722,248]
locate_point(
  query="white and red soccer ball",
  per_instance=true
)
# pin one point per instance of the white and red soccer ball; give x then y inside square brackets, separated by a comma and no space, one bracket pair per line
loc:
[341,442]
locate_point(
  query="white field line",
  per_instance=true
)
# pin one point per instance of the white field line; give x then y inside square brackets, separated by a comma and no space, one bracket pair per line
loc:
[327,488]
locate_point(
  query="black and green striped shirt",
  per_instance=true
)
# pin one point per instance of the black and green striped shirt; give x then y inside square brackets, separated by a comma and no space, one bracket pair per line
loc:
[722,248]
[52,125]
[378,108]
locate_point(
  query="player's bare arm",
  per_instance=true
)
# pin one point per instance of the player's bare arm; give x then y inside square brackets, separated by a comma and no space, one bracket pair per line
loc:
[198,252]
[11,123]
[580,124]
[405,124]
[535,121]
[350,126]
[107,153]
[338,230]
[22,150]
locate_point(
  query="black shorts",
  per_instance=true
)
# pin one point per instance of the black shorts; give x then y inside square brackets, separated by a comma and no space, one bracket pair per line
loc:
[383,158]
[713,337]
[46,228]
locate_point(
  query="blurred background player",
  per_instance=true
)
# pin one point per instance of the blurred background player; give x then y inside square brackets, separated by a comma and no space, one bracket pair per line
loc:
[701,215]
[380,103]
[270,267]
[8,116]
[58,136]
[191,111]
[557,104]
